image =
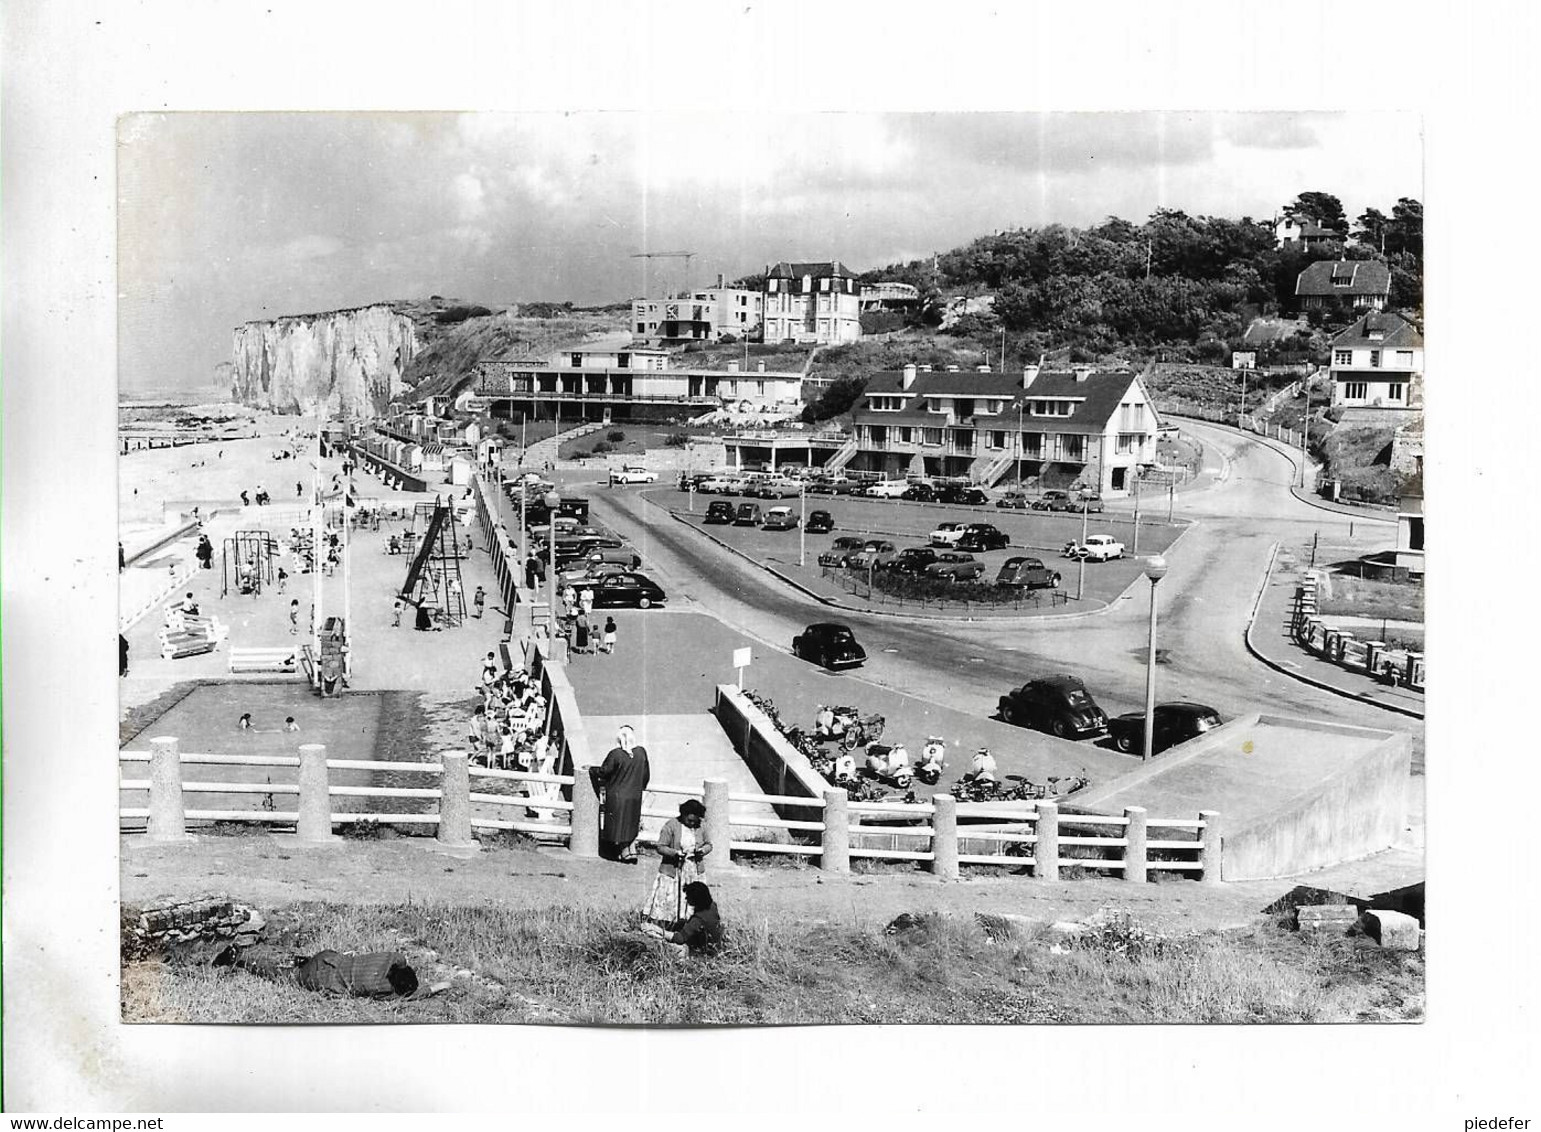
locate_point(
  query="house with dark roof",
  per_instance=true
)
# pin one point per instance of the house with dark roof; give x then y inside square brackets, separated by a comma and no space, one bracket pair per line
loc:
[1365,283]
[1081,426]
[811,303]
[1377,364]
[1303,232]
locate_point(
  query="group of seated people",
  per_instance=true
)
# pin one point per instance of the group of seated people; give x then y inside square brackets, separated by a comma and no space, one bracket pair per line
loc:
[508,729]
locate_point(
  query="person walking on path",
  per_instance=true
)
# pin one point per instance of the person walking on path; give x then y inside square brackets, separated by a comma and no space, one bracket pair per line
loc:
[480,601]
[205,552]
[245,500]
[283,579]
[294,617]
[586,601]
[396,607]
[681,849]
[621,779]
[580,633]
[607,642]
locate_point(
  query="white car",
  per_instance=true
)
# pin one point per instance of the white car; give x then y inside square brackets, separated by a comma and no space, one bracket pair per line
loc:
[632,475]
[1100,548]
[947,534]
[888,489]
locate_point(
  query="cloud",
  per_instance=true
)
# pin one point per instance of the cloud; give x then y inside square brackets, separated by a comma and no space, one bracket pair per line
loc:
[470,196]
[1271,130]
[1048,143]
[303,249]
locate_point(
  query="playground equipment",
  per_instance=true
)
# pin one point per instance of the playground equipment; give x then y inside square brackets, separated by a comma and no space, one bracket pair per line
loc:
[189,634]
[246,562]
[433,580]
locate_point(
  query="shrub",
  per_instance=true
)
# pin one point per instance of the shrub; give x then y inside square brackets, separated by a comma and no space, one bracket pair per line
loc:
[601,448]
[460,314]
[615,436]
[676,440]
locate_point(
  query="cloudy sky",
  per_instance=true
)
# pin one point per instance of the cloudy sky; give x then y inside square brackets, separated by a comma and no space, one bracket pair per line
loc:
[224,218]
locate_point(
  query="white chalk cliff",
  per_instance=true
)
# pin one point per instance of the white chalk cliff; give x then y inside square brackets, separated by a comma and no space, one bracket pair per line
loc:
[350,362]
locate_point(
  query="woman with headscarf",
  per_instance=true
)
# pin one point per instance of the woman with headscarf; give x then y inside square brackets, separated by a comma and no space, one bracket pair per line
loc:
[681,849]
[621,777]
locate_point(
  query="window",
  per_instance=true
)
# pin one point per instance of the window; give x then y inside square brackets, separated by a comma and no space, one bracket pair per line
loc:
[1075,447]
[770,285]
[1343,357]
[1128,442]
[1355,390]
[935,405]
[931,436]
[1035,444]
[1050,408]
[905,436]
[878,435]
[759,388]
[1375,359]
[824,284]
[998,438]
[641,328]
[1404,359]
[1395,390]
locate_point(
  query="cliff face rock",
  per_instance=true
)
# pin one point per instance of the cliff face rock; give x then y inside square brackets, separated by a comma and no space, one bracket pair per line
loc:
[350,362]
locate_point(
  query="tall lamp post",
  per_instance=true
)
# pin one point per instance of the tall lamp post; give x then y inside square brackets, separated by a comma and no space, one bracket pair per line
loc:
[552,500]
[802,527]
[1155,570]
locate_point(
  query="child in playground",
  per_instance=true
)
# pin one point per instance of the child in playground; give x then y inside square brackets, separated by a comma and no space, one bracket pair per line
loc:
[396,608]
[283,579]
[294,616]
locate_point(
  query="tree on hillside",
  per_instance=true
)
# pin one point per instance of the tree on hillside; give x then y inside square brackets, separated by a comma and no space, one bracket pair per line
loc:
[755,282]
[1405,233]
[1371,228]
[1325,208]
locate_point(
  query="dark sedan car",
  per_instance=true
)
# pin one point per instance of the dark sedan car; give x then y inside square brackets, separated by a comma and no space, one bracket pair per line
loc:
[842,550]
[919,493]
[967,496]
[1030,573]
[912,560]
[627,589]
[1058,704]
[721,511]
[955,566]
[820,522]
[983,536]
[830,644]
[1175,723]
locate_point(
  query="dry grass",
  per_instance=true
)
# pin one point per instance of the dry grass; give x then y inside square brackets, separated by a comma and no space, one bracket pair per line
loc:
[563,965]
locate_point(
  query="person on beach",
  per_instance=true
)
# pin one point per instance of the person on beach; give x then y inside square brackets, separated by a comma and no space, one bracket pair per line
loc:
[490,670]
[681,849]
[586,601]
[580,633]
[622,778]
[480,601]
[294,617]
[607,642]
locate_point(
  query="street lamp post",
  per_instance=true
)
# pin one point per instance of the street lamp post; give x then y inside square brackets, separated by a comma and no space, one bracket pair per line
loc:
[1080,581]
[1155,570]
[802,527]
[551,499]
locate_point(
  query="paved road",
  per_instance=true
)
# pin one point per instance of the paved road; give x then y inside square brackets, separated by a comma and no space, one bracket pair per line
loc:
[1216,570]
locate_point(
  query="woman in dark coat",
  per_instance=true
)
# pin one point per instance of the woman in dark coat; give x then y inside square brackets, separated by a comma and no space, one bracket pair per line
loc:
[622,777]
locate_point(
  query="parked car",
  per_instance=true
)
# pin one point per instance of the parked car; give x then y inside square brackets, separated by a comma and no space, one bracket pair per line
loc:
[579,576]
[919,493]
[1058,704]
[1100,548]
[886,489]
[912,560]
[780,519]
[982,536]
[720,511]
[747,515]
[629,589]
[946,534]
[841,550]
[1013,499]
[961,494]
[819,522]
[830,644]
[956,566]
[632,475]
[1174,723]
[831,485]
[778,487]
[621,555]
[717,483]
[1088,501]
[692,480]
[1052,501]
[871,553]
[1030,573]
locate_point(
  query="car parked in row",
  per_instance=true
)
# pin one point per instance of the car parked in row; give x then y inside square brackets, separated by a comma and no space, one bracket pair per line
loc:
[1016,500]
[956,566]
[1173,723]
[1027,572]
[1052,500]
[946,534]
[1088,501]
[628,589]
[871,553]
[841,551]
[778,487]
[819,522]
[919,493]
[747,515]
[962,495]
[631,474]
[886,489]
[780,519]
[1100,548]
[720,511]
[912,560]
[830,644]
[831,484]
[982,537]
[1058,704]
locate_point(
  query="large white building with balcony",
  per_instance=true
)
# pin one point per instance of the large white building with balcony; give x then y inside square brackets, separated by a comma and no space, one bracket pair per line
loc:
[701,316]
[1377,368]
[816,303]
[1053,429]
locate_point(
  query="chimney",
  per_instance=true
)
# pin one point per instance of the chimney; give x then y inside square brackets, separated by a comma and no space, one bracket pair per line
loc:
[909,377]
[1029,375]
[1082,373]
[722,281]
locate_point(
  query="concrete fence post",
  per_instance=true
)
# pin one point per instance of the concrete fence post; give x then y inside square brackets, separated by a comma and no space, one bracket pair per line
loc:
[1211,856]
[1372,651]
[1046,848]
[1343,642]
[455,801]
[167,820]
[714,796]
[835,852]
[315,824]
[1414,672]
[583,841]
[944,837]
[1135,858]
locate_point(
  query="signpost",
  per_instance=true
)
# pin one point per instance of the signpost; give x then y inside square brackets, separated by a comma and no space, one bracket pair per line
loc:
[741,659]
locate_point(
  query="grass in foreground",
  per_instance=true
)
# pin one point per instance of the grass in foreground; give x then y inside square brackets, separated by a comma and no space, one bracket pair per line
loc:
[571,966]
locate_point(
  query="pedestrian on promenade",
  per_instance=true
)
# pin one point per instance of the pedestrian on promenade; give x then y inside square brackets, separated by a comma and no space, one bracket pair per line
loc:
[283,579]
[581,633]
[245,499]
[480,601]
[299,490]
[533,572]
[294,617]
[621,778]
[607,642]
[396,614]
[586,601]
[205,552]
[681,849]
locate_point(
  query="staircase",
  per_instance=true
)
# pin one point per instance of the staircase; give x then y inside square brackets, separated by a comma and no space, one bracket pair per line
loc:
[993,470]
[842,456]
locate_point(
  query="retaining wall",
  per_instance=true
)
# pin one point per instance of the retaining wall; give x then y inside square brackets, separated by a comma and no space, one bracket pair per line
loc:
[777,766]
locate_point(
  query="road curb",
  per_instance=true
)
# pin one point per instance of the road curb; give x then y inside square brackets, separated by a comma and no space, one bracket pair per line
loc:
[1257,604]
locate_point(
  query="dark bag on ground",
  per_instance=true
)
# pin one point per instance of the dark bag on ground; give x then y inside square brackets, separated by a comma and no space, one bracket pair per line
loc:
[373,974]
